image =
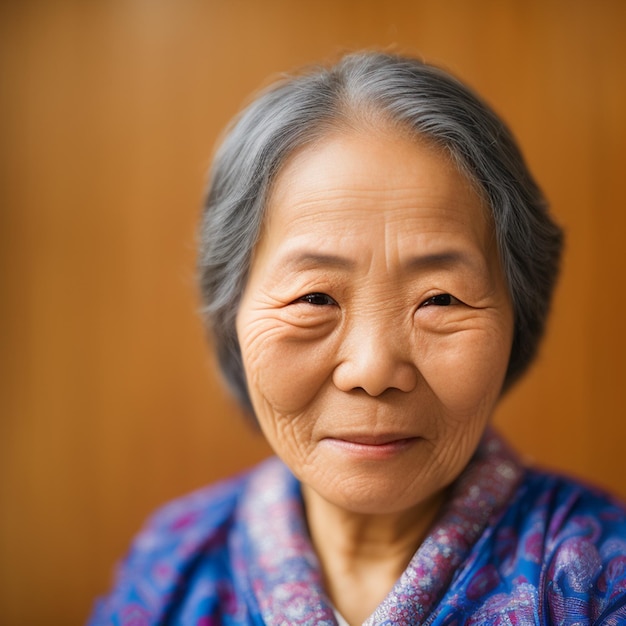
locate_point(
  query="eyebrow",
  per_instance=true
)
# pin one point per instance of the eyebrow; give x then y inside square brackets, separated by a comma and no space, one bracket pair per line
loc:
[444,259]
[308,259]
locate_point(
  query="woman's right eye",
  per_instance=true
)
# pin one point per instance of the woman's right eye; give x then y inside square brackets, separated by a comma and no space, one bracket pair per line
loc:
[317,299]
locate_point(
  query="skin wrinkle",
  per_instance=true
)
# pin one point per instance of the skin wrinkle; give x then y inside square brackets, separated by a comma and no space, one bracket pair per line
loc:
[375,361]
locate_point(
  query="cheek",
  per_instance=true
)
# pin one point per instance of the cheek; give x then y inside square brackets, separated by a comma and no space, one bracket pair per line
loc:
[466,370]
[284,372]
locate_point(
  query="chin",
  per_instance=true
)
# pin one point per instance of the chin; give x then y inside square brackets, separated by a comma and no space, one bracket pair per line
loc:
[375,495]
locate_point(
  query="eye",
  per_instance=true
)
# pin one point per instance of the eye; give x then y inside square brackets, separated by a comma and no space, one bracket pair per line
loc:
[441,299]
[317,299]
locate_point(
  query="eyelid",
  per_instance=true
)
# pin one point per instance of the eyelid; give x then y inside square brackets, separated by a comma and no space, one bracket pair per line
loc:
[309,298]
[431,300]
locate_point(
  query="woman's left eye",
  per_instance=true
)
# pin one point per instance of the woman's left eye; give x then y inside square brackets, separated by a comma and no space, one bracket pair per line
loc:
[441,299]
[317,299]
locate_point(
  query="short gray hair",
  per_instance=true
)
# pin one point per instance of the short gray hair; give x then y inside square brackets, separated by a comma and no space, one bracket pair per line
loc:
[416,97]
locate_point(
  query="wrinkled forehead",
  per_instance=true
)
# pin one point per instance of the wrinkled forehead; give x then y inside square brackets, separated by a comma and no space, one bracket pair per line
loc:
[372,127]
[366,173]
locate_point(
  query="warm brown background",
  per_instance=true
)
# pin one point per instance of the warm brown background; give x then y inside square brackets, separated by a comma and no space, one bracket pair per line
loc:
[108,115]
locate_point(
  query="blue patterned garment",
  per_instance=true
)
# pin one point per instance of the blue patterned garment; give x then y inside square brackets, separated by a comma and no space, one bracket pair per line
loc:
[512,547]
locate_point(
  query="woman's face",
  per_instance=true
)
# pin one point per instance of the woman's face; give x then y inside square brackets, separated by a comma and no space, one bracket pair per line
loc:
[375,327]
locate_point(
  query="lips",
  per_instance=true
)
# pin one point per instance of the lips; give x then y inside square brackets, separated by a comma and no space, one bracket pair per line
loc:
[370,447]
[373,440]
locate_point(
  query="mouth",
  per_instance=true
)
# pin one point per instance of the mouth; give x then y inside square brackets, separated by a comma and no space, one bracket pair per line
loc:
[373,440]
[372,446]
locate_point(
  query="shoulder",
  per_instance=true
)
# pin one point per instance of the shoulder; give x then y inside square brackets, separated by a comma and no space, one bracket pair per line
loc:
[185,540]
[571,539]
[565,507]
[555,555]
[197,516]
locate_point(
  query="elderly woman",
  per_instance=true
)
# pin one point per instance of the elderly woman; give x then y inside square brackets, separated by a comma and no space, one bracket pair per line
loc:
[377,265]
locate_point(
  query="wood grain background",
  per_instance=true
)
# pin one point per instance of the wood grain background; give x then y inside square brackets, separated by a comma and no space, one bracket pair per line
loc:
[109,112]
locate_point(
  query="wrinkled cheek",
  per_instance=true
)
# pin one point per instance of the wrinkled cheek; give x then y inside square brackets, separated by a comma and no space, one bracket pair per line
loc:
[284,376]
[467,376]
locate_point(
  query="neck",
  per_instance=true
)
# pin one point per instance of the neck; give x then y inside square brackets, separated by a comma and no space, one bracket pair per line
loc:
[363,555]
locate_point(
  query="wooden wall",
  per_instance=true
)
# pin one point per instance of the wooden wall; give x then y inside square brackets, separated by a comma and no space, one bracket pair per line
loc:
[108,114]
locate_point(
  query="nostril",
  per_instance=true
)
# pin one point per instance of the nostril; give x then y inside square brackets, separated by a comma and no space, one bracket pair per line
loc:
[374,379]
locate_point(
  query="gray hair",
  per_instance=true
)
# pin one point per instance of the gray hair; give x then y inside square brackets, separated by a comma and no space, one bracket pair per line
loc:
[423,101]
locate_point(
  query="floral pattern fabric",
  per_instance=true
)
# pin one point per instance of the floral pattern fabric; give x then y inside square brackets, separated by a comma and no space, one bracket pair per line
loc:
[512,546]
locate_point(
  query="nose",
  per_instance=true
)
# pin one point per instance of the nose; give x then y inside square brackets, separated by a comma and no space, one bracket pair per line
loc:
[375,357]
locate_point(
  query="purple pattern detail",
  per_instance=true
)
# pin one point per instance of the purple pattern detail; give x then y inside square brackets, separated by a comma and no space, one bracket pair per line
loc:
[281,569]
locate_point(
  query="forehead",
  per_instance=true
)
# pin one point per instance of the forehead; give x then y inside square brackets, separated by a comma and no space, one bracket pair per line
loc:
[370,179]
